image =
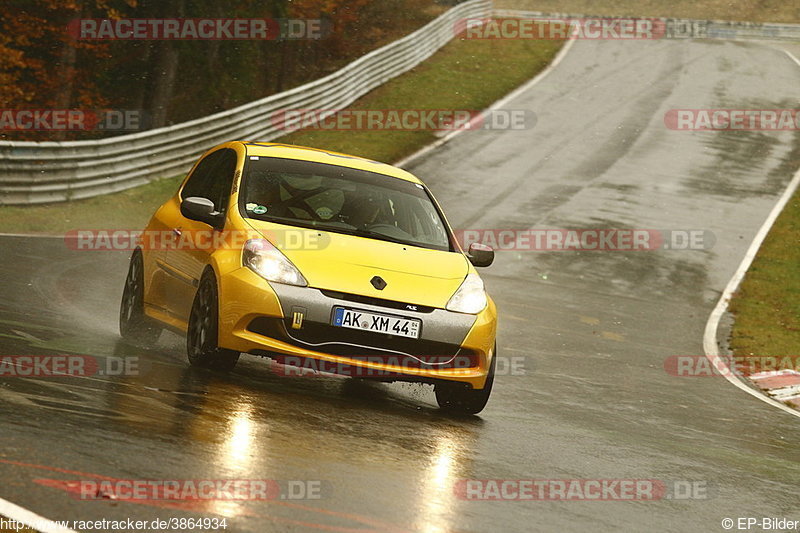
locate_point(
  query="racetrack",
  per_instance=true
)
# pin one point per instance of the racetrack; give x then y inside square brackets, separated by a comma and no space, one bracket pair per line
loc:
[594,329]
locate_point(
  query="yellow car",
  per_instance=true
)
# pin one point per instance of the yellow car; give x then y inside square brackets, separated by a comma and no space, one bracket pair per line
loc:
[319,260]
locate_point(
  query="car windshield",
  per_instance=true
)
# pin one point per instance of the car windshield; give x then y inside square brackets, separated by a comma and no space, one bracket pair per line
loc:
[342,200]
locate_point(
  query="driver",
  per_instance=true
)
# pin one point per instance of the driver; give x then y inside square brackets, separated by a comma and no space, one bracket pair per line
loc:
[284,195]
[364,208]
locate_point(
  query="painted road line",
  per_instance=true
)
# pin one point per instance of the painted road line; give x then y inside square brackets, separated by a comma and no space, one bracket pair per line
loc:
[30,519]
[497,105]
[792,57]
[710,345]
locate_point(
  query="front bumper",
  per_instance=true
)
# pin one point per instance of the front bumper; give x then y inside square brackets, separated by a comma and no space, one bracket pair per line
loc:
[261,318]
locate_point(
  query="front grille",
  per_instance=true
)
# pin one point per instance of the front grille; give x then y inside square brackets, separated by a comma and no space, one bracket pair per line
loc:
[380,302]
[366,345]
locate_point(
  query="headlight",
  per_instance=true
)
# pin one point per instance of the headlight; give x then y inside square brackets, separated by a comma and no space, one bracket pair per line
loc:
[470,297]
[264,259]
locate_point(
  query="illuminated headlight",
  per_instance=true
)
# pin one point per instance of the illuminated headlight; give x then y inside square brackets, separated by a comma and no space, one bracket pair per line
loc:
[264,259]
[470,297]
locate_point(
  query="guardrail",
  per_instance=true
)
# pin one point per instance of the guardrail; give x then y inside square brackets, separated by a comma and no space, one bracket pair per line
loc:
[39,172]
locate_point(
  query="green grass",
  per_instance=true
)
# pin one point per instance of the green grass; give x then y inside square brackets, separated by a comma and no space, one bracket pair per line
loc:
[465,74]
[767,304]
[129,209]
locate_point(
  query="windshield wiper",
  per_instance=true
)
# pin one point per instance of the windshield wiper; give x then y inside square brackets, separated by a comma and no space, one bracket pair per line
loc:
[361,232]
[309,224]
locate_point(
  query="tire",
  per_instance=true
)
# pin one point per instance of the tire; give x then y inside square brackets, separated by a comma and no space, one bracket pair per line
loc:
[203,332]
[134,325]
[461,399]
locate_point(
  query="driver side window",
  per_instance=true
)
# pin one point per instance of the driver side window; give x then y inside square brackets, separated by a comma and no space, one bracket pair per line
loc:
[213,178]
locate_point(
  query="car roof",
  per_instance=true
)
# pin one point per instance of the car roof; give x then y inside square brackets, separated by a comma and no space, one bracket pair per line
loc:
[317,155]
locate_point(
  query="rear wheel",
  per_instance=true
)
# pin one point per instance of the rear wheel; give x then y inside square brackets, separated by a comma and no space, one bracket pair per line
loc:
[134,325]
[203,333]
[460,398]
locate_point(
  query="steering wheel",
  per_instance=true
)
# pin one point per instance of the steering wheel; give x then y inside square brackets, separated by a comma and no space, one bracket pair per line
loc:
[373,227]
[390,231]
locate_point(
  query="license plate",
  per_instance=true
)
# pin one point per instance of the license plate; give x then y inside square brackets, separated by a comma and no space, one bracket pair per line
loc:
[366,321]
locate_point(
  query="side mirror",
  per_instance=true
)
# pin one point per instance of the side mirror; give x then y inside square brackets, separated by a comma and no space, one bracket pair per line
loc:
[201,209]
[480,255]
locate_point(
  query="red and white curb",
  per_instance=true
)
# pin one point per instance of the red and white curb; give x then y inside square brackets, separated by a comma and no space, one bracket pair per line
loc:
[782,385]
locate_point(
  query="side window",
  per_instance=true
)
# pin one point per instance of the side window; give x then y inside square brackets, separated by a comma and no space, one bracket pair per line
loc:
[221,179]
[198,183]
[213,178]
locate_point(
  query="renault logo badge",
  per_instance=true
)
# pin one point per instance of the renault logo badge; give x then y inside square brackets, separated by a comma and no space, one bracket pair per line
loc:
[378,283]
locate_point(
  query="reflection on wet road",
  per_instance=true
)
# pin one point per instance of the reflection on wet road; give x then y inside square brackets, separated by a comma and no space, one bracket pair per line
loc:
[171,421]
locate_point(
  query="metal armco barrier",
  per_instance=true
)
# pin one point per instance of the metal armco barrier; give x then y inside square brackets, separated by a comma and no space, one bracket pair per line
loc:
[39,172]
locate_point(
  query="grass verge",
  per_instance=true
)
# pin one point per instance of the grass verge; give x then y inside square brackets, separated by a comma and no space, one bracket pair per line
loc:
[767,304]
[465,75]
[129,209]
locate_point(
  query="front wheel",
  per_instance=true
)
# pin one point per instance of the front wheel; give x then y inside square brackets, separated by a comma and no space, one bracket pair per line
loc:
[134,326]
[203,333]
[459,398]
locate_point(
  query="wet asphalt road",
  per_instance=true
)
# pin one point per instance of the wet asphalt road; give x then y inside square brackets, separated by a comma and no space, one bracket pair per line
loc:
[593,329]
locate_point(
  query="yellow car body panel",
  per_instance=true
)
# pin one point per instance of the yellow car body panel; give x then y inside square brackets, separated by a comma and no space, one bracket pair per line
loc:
[414,275]
[316,155]
[249,297]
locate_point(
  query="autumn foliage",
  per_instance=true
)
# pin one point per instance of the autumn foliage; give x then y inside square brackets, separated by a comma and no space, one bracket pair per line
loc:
[170,81]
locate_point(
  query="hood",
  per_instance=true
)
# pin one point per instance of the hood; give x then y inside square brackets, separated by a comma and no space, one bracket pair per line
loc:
[347,263]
